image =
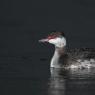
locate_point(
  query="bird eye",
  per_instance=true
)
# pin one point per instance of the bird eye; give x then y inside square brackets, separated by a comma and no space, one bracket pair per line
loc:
[51,37]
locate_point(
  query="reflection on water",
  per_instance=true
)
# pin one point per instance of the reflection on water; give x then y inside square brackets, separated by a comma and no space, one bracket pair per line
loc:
[72,82]
[35,78]
[57,83]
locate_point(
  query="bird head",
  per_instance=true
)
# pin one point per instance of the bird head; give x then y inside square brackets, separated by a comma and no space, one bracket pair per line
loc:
[56,38]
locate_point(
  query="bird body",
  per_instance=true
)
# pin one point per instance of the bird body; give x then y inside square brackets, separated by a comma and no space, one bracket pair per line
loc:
[69,58]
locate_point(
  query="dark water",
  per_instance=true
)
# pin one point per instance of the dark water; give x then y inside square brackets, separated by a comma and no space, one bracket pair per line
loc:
[31,75]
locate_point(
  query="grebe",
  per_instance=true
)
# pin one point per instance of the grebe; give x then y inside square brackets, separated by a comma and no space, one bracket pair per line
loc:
[69,58]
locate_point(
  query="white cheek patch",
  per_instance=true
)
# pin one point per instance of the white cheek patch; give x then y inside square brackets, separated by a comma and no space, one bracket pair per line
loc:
[64,41]
[59,42]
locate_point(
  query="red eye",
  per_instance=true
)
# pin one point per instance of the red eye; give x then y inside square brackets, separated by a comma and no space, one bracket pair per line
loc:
[51,37]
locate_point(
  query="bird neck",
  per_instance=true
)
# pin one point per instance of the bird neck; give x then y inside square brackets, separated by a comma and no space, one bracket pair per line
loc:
[56,57]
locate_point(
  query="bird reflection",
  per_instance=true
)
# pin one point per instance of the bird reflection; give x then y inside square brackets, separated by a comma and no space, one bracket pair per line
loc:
[57,82]
[71,82]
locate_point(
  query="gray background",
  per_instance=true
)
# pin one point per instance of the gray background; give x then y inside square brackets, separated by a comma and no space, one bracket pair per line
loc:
[23,23]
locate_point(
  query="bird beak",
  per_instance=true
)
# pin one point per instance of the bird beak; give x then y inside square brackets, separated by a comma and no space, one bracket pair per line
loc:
[43,40]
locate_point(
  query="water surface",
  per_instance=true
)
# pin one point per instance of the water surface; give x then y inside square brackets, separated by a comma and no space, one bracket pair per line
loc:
[33,76]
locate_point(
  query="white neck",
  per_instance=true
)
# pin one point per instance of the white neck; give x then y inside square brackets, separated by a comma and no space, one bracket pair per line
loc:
[55,59]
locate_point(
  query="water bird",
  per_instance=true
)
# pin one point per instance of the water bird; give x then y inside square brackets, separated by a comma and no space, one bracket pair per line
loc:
[65,57]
